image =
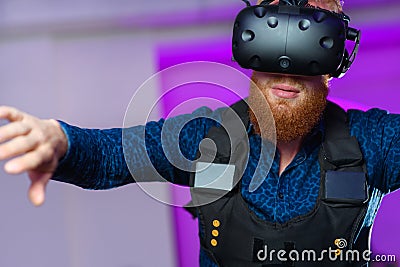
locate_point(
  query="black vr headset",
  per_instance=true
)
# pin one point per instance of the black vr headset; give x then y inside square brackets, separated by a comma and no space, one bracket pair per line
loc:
[293,37]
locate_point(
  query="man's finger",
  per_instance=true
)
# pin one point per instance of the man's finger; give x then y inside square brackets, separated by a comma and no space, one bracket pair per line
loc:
[10,113]
[13,129]
[17,146]
[37,190]
[26,162]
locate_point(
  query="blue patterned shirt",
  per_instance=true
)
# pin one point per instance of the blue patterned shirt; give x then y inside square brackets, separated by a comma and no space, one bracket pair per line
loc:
[95,160]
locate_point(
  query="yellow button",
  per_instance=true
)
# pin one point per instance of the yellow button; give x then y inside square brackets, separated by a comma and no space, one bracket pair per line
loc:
[216,223]
[215,232]
[214,242]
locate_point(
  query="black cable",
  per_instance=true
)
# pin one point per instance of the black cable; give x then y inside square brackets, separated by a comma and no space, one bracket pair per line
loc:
[247,2]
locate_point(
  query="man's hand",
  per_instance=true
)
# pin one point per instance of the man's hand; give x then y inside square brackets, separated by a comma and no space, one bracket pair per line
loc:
[32,145]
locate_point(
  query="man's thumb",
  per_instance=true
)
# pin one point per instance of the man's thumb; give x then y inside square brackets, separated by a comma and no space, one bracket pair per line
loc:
[37,188]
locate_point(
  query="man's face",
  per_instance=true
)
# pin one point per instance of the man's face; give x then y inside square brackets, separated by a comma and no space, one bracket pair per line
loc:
[284,91]
[296,102]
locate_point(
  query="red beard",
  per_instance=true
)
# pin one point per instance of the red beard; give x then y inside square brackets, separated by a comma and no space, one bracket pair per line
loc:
[293,119]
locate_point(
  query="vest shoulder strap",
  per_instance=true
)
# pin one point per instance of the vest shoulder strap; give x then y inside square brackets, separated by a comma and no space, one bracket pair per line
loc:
[343,170]
[341,151]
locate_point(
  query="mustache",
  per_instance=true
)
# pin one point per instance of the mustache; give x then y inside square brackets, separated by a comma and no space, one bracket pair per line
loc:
[298,82]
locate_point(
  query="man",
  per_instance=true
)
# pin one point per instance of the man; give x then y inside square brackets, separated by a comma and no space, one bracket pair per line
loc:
[288,198]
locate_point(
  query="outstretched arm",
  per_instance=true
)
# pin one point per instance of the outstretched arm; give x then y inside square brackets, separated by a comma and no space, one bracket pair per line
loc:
[50,149]
[95,158]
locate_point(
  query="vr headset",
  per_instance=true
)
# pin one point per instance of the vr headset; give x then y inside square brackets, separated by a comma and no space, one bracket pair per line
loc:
[293,37]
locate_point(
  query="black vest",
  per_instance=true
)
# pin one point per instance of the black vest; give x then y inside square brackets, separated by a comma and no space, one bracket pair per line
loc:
[329,235]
